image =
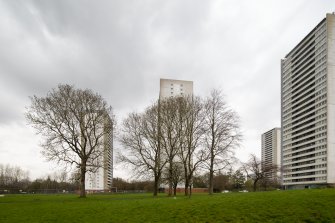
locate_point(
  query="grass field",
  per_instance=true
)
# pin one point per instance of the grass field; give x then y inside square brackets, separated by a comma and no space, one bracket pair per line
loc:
[277,206]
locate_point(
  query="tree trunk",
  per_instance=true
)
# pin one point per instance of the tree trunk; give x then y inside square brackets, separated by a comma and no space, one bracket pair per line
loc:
[186,186]
[190,191]
[158,159]
[174,190]
[211,180]
[211,167]
[156,186]
[170,190]
[255,185]
[82,181]
[170,178]
[186,179]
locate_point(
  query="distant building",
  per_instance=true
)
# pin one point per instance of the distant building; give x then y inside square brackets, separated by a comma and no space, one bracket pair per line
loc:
[271,149]
[308,109]
[101,180]
[171,88]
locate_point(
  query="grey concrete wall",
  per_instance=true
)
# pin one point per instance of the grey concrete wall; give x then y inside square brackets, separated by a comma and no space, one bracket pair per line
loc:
[331,98]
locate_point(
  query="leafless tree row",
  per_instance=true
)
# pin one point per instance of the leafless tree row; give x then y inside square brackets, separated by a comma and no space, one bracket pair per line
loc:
[12,176]
[14,179]
[171,140]
[175,137]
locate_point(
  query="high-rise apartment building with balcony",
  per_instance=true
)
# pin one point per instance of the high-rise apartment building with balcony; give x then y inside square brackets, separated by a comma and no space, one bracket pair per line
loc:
[271,150]
[308,109]
[102,177]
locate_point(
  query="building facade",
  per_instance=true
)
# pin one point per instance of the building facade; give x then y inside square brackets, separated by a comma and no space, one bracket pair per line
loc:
[172,88]
[308,109]
[101,178]
[271,150]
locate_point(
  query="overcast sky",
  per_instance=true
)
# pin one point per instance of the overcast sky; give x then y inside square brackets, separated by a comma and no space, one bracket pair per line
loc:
[121,49]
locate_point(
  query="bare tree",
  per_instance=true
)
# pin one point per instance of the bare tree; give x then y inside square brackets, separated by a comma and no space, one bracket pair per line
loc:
[75,124]
[141,138]
[61,176]
[221,134]
[177,176]
[190,121]
[171,132]
[257,170]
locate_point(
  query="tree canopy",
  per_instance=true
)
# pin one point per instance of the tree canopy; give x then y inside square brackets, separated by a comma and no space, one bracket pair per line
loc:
[75,124]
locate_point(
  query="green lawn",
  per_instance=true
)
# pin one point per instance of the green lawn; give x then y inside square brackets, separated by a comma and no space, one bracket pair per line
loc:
[277,206]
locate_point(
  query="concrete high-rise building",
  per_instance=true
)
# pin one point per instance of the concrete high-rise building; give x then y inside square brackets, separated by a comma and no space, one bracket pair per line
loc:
[101,179]
[171,88]
[271,150]
[308,109]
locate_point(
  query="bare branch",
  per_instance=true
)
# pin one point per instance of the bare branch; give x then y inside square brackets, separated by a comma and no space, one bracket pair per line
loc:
[73,124]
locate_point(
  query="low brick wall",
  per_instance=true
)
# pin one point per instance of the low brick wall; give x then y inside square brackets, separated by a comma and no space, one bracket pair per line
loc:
[194,190]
